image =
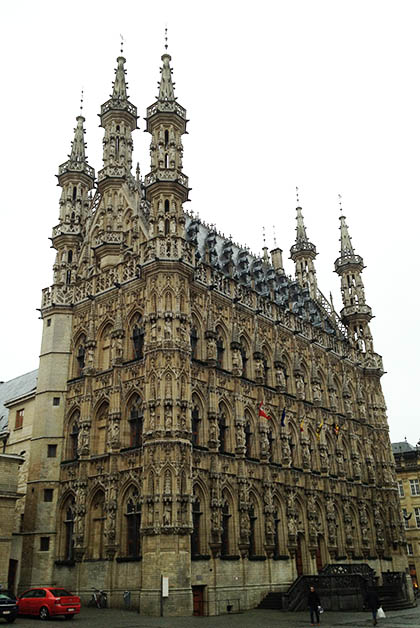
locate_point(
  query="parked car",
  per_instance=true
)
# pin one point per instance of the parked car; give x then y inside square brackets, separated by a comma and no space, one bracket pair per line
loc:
[8,606]
[48,602]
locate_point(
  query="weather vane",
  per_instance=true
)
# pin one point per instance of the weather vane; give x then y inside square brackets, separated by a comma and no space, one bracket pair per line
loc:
[81,101]
[166,38]
[122,43]
[263,230]
[274,236]
[297,194]
[339,202]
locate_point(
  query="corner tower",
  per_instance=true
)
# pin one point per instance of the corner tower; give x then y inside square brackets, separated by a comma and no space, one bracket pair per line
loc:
[356,314]
[303,253]
[167,448]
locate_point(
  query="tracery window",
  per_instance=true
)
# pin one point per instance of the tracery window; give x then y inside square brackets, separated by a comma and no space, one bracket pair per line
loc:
[196,519]
[252,535]
[194,342]
[220,350]
[248,440]
[80,360]
[96,526]
[225,536]
[276,534]
[136,423]
[138,341]
[74,437]
[69,532]
[222,433]
[244,360]
[105,349]
[195,424]
[133,524]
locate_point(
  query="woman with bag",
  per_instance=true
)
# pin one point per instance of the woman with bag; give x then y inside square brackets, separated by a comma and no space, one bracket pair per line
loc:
[372,602]
[314,604]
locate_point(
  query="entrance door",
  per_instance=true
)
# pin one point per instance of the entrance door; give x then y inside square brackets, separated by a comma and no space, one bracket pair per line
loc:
[11,577]
[299,561]
[198,600]
[318,556]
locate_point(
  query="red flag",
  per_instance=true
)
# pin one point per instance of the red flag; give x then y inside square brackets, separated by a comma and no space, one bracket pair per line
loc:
[262,413]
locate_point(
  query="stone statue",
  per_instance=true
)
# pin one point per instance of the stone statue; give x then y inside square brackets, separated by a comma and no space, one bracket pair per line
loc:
[300,387]
[280,379]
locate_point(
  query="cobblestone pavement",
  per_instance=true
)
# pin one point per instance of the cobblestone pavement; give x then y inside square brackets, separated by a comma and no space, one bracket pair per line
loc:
[113,618]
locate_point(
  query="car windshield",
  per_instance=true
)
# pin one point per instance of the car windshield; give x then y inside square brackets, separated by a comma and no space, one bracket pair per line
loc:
[59,592]
[5,596]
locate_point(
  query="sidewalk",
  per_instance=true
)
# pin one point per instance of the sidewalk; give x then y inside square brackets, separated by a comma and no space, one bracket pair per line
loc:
[113,618]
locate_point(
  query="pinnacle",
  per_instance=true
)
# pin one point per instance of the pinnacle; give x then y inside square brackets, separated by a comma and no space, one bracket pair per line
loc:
[78,145]
[300,228]
[345,239]
[119,91]
[166,86]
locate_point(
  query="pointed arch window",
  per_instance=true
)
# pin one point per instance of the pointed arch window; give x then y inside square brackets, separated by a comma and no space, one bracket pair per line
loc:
[266,370]
[244,360]
[133,520]
[138,341]
[96,526]
[222,433]
[276,534]
[225,536]
[194,342]
[74,438]
[248,440]
[74,192]
[136,423]
[69,533]
[196,520]
[80,358]
[167,226]
[166,137]
[195,424]
[70,256]
[252,535]
[220,349]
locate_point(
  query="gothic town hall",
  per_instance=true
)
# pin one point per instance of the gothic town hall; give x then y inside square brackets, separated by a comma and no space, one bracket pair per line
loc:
[217,423]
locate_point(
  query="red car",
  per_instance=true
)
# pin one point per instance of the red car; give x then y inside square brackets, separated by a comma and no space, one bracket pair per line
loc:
[48,602]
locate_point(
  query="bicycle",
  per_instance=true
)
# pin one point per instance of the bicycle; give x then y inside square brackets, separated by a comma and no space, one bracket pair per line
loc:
[99,598]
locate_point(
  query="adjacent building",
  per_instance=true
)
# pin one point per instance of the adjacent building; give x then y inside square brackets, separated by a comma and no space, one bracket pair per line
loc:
[407,461]
[203,421]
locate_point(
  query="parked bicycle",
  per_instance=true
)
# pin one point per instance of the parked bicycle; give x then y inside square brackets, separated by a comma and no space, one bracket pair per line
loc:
[99,598]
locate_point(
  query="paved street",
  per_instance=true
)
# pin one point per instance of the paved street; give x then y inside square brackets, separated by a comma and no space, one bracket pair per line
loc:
[111,618]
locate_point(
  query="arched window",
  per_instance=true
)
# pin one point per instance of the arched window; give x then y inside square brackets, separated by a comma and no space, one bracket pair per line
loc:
[138,342]
[68,277]
[73,436]
[68,533]
[248,440]
[195,536]
[167,226]
[166,206]
[277,552]
[105,349]
[80,359]
[70,256]
[136,423]
[194,342]
[195,425]
[225,536]
[220,348]
[133,523]
[222,433]
[166,160]
[74,192]
[100,429]
[96,526]
[166,137]
[252,532]
[244,359]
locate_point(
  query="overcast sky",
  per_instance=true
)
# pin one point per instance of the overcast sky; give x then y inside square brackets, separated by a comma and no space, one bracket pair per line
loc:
[323,95]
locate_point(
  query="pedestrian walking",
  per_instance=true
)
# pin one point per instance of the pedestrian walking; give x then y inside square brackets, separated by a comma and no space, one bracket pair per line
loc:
[372,602]
[314,604]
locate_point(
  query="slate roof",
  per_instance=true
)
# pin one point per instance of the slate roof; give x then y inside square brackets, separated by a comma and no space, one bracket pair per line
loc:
[402,447]
[21,385]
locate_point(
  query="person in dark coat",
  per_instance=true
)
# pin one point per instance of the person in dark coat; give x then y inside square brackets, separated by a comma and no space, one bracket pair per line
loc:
[372,602]
[314,604]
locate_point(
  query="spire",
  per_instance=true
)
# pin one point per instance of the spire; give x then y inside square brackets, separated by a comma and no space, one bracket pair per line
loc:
[345,239]
[77,160]
[166,87]
[119,91]
[303,253]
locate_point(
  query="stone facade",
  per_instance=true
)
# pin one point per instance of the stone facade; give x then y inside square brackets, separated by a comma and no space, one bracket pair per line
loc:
[407,466]
[9,465]
[169,346]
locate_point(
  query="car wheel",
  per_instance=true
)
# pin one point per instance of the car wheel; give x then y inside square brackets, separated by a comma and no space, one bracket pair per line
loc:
[69,616]
[44,613]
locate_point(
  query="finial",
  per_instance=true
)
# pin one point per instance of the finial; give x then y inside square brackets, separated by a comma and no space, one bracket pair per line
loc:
[81,102]
[166,38]
[274,237]
[122,45]
[339,203]
[263,231]
[297,195]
